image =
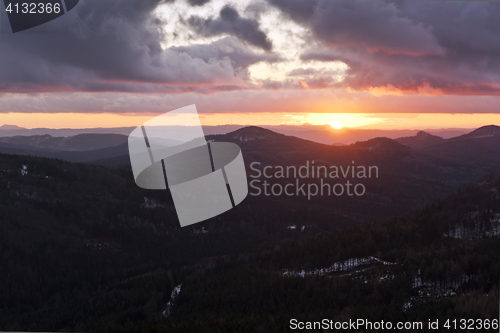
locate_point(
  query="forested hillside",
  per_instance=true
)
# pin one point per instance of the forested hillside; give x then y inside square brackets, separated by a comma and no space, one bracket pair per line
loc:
[440,262]
[85,249]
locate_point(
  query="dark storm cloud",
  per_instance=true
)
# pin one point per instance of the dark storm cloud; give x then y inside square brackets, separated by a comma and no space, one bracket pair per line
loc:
[364,24]
[230,22]
[198,2]
[372,26]
[116,45]
[113,45]
[410,45]
[299,10]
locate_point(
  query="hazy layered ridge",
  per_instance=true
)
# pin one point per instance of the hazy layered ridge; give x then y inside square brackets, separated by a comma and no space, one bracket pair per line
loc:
[87,249]
[408,177]
[318,133]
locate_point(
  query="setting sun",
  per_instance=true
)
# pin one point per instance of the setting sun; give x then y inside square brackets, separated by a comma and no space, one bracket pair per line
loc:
[336,125]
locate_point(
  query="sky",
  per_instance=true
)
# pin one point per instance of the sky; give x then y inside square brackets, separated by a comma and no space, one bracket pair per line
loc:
[351,63]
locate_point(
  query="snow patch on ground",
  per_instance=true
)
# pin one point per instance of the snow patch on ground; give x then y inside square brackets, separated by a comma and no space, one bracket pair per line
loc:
[170,303]
[24,170]
[151,203]
[342,266]
[478,228]
[294,227]
[201,231]
[428,289]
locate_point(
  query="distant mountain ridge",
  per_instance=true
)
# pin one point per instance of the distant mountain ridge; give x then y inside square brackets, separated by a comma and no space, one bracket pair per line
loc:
[80,142]
[87,156]
[481,145]
[250,133]
[379,144]
[408,177]
[80,148]
[488,131]
[13,130]
[318,133]
[421,140]
[10,127]
[398,164]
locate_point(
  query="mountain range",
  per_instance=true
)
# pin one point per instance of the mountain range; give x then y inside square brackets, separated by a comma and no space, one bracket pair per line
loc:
[319,133]
[87,250]
[409,167]
[51,145]
[480,146]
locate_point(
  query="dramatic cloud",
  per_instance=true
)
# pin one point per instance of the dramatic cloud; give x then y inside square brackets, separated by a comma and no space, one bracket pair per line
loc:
[241,57]
[198,2]
[372,26]
[230,22]
[446,47]
[200,46]
[117,45]
[299,10]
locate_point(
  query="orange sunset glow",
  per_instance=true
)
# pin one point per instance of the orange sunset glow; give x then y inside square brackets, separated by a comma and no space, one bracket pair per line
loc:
[336,121]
